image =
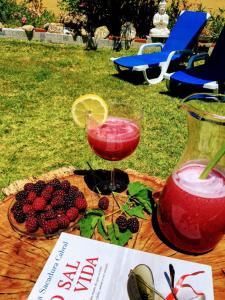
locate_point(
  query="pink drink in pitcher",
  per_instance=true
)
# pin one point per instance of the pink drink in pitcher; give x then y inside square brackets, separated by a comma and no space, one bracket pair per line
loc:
[114,140]
[191,211]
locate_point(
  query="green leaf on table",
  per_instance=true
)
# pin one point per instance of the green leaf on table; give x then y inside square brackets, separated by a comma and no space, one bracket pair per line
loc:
[122,238]
[87,225]
[116,231]
[145,203]
[137,211]
[135,187]
[102,230]
[97,212]
[144,194]
[94,221]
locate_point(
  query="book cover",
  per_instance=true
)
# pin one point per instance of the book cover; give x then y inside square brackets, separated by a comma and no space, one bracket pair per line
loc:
[84,269]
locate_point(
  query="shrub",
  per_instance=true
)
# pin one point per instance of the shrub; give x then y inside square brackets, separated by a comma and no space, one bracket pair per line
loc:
[216,24]
[11,14]
[113,13]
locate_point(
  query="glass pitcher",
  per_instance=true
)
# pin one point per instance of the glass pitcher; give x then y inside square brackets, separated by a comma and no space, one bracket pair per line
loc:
[191,211]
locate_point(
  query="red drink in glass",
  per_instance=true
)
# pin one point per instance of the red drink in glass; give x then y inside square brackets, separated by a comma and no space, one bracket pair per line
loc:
[191,211]
[114,140]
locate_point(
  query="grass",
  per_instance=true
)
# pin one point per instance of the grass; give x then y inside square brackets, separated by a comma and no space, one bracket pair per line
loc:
[38,85]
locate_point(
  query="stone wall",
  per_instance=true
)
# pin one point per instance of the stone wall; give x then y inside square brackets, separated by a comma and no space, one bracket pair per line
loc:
[47,37]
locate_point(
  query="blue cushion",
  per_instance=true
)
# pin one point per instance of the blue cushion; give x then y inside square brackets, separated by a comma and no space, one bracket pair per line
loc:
[199,75]
[152,59]
[185,31]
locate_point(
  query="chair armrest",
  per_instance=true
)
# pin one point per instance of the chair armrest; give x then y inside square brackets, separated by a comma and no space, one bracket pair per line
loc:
[200,56]
[150,45]
[172,53]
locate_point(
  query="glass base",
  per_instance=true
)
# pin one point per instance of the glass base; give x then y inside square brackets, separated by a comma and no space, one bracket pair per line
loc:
[99,181]
[106,188]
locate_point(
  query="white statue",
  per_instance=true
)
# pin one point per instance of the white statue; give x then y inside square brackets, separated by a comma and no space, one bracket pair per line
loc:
[160,21]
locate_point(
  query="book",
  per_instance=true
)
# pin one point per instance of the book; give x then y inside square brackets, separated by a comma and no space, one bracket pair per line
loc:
[84,269]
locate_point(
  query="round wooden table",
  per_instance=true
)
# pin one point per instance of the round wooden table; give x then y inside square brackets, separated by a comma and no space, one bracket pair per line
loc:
[22,259]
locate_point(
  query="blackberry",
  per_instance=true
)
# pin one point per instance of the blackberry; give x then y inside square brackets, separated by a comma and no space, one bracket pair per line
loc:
[133,224]
[60,193]
[19,216]
[73,191]
[38,187]
[21,196]
[16,206]
[65,185]
[55,183]
[69,198]
[79,194]
[69,201]
[103,203]
[41,220]
[121,221]
[28,186]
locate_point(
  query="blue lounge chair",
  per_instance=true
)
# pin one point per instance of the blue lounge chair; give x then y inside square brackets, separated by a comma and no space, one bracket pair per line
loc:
[179,43]
[210,75]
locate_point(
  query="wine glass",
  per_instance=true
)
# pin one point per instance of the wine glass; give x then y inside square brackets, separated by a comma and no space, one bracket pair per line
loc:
[114,140]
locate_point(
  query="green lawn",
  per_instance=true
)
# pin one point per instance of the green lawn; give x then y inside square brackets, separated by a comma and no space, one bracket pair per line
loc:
[38,85]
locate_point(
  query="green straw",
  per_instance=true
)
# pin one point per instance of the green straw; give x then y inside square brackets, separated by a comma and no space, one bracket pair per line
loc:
[213,162]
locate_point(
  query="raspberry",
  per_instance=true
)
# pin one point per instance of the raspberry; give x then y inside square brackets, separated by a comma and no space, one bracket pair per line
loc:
[48,215]
[63,221]
[50,226]
[80,203]
[46,194]
[21,196]
[48,188]
[59,212]
[103,203]
[72,213]
[39,204]
[65,185]
[57,201]
[133,224]
[48,207]
[121,221]
[19,216]
[31,196]
[28,186]
[27,208]
[31,224]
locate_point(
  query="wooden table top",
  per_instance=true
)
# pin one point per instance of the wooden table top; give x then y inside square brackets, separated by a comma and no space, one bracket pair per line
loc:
[22,259]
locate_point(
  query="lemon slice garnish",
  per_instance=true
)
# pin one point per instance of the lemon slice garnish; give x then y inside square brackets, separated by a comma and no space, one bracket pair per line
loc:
[89,104]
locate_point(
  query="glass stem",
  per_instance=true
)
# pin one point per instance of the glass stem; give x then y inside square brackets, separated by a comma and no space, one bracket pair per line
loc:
[112,180]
